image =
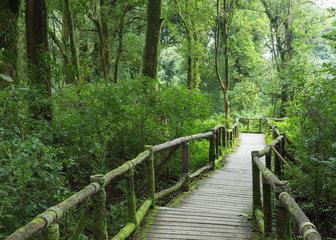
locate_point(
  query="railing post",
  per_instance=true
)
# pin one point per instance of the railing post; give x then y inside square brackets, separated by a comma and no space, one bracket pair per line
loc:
[260,124]
[130,196]
[256,201]
[248,125]
[212,150]
[52,232]
[149,174]
[237,132]
[224,137]
[267,200]
[277,163]
[217,142]
[220,136]
[185,166]
[283,218]
[99,209]
[282,152]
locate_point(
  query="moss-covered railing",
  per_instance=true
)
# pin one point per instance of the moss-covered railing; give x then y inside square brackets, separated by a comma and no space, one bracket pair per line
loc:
[95,196]
[255,125]
[275,190]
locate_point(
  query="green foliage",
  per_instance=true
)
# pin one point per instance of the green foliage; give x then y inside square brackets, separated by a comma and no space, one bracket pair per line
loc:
[31,173]
[108,122]
[92,132]
[311,127]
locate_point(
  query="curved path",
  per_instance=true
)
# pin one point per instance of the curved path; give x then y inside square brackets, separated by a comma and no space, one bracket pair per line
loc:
[219,207]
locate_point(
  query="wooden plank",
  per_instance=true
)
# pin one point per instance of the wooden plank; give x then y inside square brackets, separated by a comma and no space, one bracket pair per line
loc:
[217,209]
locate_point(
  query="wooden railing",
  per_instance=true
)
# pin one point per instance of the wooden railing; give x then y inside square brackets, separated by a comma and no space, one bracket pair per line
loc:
[259,123]
[47,222]
[274,185]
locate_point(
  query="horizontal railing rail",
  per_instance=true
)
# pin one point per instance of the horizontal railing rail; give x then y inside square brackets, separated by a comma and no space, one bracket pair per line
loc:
[249,127]
[47,222]
[285,205]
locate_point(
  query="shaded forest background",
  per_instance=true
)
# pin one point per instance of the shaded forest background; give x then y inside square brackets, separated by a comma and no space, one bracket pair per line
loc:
[75,100]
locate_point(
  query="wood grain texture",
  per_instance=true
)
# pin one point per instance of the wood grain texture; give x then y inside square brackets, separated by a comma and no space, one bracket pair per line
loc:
[218,208]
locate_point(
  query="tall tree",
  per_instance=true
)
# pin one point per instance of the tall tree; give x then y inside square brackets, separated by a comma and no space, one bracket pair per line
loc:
[9,14]
[280,16]
[120,32]
[149,67]
[74,71]
[98,16]
[224,17]
[192,15]
[38,53]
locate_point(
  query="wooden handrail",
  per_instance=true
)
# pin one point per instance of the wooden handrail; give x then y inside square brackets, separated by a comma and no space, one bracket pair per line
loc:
[285,204]
[219,136]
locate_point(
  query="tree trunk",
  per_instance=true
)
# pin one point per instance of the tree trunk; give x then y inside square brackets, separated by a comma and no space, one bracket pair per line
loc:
[74,71]
[120,47]
[222,24]
[190,60]
[99,20]
[149,67]
[38,57]
[226,66]
[9,14]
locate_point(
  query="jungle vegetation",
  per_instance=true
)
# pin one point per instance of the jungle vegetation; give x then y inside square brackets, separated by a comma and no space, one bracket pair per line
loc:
[84,85]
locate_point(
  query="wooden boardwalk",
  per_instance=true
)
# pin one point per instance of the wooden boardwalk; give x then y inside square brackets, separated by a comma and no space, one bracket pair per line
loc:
[219,207]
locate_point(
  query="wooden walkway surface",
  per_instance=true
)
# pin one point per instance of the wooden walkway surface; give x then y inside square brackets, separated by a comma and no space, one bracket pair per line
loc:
[219,207]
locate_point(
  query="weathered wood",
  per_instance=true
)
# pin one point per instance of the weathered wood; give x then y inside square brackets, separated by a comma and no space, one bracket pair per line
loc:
[130,197]
[99,209]
[126,166]
[159,166]
[267,174]
[307,229]
[179,141]
[52,214]
[199,171]
[267,201]
[174,188]
[185,165]
[212,150]
[256,199]
[130,227]
[217,208]
[149,175]
[52,232]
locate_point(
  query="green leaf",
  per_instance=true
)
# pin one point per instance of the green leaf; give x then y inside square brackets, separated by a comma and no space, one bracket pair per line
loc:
[30,207]
[6,78]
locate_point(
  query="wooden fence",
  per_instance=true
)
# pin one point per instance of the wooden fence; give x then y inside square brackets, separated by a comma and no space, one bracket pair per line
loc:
[47,222]
[258,126]
[275,190]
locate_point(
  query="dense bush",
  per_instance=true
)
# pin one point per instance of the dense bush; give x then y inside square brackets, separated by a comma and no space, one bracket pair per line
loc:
[30,172]
[311,126]
[93,131]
